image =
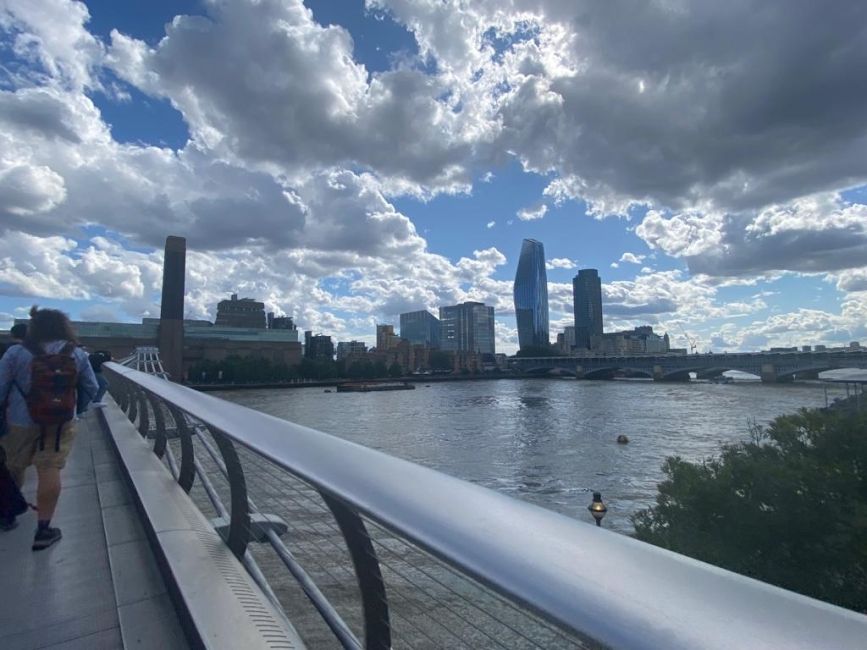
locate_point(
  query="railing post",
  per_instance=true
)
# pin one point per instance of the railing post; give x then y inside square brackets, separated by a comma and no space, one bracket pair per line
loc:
[143,418]
[377,626]
[239,526]
[187,470]
[132,413]
[160,423]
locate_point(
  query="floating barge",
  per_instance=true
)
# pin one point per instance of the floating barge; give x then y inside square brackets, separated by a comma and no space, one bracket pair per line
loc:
[363,387]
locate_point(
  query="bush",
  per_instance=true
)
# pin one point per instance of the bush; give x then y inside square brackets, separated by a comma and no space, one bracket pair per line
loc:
[789,507]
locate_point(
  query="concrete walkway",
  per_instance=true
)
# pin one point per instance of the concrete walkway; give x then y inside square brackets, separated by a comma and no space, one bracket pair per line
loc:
[100,586]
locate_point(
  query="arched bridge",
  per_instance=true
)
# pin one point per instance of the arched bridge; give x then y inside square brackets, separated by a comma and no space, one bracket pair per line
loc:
[770,366]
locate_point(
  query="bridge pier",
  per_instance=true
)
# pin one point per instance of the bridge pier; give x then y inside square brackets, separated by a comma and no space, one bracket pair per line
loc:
[768,373]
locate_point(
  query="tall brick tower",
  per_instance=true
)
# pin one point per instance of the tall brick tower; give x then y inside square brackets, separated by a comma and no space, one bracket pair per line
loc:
[171,332]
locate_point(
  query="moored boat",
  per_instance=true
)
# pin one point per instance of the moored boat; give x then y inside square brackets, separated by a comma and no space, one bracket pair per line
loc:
[369,387]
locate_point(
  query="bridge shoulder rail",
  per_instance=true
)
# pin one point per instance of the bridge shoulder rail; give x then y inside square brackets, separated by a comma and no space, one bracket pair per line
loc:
[219,604]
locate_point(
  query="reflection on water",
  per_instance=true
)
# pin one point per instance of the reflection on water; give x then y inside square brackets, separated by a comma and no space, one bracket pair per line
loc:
[551,442]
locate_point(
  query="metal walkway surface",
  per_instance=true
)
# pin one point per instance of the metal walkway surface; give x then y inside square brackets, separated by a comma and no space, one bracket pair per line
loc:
[100,586]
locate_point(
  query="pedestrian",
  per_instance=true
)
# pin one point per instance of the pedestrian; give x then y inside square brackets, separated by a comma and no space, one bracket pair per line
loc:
[41,378]
[96,360]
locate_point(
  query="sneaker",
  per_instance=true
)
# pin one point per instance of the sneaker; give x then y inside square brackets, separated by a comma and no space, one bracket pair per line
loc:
[45,537]
[8,523]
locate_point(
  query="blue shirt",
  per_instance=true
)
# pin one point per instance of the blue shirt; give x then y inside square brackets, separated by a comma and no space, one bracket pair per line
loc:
[15,367]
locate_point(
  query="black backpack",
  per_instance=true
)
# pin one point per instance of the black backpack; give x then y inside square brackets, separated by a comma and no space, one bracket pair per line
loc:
[12,502]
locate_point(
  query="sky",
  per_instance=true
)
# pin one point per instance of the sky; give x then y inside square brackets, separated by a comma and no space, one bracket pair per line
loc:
[348,161]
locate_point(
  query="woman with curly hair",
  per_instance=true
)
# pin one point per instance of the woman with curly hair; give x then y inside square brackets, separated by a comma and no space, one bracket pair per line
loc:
[50,344]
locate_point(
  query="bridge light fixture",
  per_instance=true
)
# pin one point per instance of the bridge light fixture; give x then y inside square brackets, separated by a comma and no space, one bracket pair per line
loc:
[597,508]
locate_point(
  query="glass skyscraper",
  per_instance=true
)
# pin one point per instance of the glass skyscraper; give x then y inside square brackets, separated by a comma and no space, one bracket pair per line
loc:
[468,327]
[587,300]
[531,296]
[420,327]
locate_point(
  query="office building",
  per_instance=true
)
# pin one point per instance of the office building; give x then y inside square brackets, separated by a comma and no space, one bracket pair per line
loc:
[245,312]
[318,347]
[587,300]
[347,349]
[566,340]
[420,328]
[386,339]
[280,322]
[468,327]
[531,296]
[641,340]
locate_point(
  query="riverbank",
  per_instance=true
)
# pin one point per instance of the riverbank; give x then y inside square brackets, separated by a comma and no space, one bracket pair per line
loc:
[328,383]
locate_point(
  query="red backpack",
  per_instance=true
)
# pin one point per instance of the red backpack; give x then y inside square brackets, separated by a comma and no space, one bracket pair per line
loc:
[51,400]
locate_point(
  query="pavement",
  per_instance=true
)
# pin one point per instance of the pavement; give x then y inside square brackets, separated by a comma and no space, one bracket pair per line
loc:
[100,586]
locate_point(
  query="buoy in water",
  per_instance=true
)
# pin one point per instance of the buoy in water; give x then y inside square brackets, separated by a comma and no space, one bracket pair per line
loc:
[622,440]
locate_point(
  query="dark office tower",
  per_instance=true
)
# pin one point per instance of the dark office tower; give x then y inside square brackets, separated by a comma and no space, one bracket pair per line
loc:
[587,300]
[171,331]
[531,296]
[420,327]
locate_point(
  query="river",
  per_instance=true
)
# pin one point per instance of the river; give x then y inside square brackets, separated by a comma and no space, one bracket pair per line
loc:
[548,441]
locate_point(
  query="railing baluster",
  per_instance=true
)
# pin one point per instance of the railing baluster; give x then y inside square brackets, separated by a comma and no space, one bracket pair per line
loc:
[132,413]
[160,424]
[143,418]
[187,470]
[377,626]
[239,527]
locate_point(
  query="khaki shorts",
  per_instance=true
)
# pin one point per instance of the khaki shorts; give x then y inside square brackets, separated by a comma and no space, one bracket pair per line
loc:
[22,447]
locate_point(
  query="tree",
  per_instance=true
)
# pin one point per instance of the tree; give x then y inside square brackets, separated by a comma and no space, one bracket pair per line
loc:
[538,351]
[440,360]
[394,370]
[789,507]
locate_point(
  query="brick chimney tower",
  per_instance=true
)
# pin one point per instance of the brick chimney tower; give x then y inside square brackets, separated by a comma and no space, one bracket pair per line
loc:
[171,331]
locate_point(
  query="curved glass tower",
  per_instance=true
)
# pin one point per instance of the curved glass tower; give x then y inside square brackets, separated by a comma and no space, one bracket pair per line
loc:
[531,296]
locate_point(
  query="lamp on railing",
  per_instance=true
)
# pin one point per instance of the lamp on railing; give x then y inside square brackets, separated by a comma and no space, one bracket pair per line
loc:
[597,508]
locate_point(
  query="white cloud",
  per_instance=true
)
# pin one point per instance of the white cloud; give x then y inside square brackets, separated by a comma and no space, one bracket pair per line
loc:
[632,258]
[560,263]
[532,214]
[490,224]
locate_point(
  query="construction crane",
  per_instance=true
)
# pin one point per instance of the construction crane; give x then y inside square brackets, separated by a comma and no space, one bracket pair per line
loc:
[693,347]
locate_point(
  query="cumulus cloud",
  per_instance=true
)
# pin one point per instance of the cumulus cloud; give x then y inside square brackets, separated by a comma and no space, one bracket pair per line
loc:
[560,263]
[632,258]
[490,224]
[532,214]
[287,186]
[25,189]
[812,234]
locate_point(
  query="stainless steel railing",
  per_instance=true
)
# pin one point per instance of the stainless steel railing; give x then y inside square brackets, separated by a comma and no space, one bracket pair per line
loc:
[440,562]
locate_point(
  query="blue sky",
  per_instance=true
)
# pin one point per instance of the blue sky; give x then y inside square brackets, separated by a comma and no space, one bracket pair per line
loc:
[346,161]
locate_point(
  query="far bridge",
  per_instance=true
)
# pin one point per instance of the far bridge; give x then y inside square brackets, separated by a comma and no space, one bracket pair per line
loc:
[769,366]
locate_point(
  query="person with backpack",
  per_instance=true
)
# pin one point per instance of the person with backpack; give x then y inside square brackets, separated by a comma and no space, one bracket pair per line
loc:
[41,379]
[96,360]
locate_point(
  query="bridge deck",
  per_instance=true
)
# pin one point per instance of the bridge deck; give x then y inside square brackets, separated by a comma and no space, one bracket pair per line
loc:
[100,586]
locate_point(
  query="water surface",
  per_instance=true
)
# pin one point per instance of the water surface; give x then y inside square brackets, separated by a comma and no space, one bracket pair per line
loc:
[547,441]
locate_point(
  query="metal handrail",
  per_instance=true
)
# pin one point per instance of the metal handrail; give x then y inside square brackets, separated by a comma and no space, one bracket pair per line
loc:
[598,584]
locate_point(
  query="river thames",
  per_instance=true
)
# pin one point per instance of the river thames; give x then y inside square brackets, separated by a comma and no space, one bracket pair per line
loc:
[551,442]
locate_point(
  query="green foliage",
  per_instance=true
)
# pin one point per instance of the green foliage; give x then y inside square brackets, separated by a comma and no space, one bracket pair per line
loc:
[239,370]
[395,370]
[440,360]
[788,507]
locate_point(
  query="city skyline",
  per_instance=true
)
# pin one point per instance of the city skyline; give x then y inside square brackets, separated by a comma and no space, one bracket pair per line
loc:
[382,161]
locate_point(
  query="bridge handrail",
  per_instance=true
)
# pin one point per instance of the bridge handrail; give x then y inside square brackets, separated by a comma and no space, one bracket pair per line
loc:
[599,584]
